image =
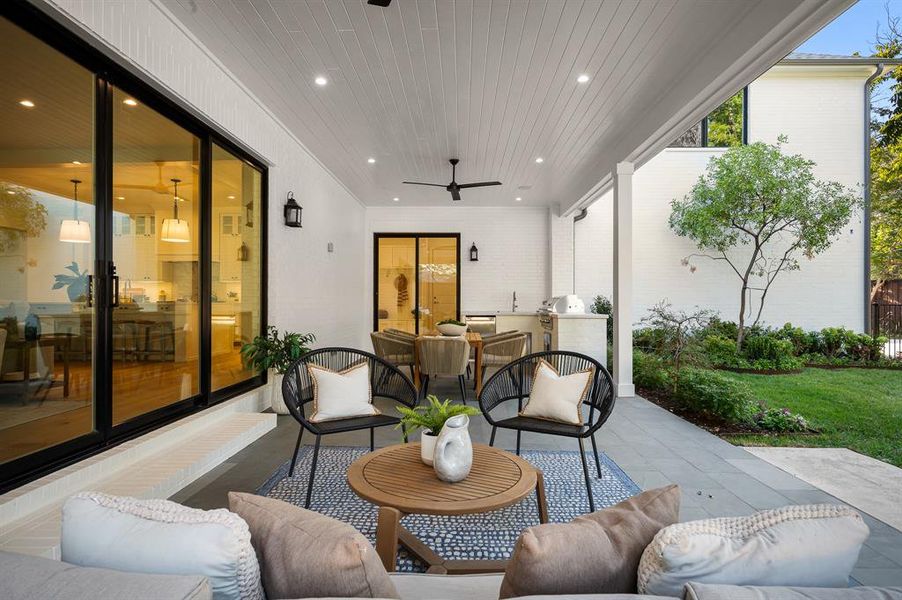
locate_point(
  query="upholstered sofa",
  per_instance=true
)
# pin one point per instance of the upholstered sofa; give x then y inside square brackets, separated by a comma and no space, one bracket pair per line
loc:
[32,578]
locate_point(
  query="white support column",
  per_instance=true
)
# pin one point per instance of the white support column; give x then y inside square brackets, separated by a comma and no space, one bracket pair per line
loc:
[623,280]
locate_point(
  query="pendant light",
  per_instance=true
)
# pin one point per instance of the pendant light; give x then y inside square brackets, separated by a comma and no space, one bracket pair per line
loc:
[73,230]
[175,230]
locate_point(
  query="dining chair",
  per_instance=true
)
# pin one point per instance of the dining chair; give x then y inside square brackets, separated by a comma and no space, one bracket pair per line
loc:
[386,381]
[502,349]
[443,356]
[514,382]
[394,349]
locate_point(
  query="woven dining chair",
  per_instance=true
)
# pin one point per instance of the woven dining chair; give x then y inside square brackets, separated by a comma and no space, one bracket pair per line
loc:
[394,349]
[443,356]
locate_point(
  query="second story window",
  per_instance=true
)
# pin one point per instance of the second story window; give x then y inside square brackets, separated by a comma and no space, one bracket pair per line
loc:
[724,127]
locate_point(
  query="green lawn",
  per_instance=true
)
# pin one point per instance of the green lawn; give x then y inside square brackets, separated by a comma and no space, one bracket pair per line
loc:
[860,409]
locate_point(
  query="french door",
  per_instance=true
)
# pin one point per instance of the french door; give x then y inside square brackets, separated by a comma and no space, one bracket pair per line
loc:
[416,280]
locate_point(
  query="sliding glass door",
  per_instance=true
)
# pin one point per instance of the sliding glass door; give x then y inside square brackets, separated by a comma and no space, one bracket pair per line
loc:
[156,253]
[132,253]
[416,281]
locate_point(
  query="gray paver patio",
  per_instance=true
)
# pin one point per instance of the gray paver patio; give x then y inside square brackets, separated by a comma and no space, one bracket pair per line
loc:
[653,446]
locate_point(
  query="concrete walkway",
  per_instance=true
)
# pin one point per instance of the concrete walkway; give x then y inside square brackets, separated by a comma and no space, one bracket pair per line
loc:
[652,445]
[868,484]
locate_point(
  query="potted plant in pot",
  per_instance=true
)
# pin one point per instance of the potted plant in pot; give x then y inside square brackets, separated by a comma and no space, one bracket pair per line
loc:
[431,419]
[270,352]
[451,327]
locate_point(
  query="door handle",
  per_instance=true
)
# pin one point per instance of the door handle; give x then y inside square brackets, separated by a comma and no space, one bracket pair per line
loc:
[115,300]
[90,299]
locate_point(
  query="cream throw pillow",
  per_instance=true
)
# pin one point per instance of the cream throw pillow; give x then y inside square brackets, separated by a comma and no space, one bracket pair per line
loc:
[341,395]
[808,546]
[557,397]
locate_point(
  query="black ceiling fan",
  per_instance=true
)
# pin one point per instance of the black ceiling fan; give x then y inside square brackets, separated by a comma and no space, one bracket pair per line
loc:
[455,187]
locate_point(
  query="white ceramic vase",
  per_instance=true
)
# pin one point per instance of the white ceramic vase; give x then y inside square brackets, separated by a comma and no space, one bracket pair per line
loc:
[427,447]
[453,456]
[276,401]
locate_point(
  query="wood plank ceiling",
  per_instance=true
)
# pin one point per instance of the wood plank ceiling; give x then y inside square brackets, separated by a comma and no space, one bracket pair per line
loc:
[491,82]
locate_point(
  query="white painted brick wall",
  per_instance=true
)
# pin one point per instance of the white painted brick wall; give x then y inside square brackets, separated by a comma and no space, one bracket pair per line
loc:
[512,242]
[822,116]
[309,289]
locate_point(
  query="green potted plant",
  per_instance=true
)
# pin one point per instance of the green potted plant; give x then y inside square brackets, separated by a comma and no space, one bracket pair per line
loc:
[451,327]
[275,354]
[431,419]
[76,284]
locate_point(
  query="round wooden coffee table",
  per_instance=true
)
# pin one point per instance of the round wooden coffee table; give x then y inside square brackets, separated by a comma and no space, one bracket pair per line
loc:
[396,480]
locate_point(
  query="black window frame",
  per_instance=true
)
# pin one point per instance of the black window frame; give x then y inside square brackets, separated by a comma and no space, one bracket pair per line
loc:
[703,136]
[60,34]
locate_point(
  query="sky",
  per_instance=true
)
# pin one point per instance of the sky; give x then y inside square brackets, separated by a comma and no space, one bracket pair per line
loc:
[853,31]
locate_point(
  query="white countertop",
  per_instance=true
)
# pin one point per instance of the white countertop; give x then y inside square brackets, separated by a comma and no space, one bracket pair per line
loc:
[526,313]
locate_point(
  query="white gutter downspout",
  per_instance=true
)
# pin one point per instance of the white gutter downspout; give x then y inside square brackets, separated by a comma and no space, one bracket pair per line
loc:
[878,71]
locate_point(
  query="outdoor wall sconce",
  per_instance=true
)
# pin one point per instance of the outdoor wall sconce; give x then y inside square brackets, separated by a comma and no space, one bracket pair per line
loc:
[249,214]
[292,212]
[474,253]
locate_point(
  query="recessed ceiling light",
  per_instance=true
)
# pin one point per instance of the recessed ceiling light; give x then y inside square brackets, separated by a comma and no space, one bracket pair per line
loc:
[130,102]
[27,103]
[371,160]
[11,192]
[120,197]
[320,80]
[396,199]
[540,160]
[582,78]
[76,162]
[518,198]
[230,197]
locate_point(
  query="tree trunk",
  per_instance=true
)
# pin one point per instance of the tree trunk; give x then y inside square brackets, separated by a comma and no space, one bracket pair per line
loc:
[740,336]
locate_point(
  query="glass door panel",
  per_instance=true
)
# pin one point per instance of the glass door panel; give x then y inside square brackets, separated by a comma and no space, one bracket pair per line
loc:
[237,244]
[47,246]
[396,283]
[156,199]
[438,287]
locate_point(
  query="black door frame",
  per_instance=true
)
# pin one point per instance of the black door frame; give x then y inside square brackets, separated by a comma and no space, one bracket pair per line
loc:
[108,73]
[416,299]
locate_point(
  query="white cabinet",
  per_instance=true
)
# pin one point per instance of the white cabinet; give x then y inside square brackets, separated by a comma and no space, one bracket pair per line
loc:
[229,243]
[135,247]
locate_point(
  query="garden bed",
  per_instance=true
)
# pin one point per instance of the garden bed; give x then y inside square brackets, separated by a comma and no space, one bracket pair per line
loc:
[761,371]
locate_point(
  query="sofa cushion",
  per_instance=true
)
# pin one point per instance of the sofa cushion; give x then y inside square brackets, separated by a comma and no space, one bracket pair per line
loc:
[815,545]
[341,394]
[596,553]
[35,578]
[416,586]
[304,554]
[159,536]
[708,591]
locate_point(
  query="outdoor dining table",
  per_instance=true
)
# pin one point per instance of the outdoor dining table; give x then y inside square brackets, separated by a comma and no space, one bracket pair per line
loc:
[475,339]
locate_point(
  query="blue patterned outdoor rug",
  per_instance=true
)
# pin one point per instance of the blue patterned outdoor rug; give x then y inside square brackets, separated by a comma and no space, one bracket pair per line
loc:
[481,536]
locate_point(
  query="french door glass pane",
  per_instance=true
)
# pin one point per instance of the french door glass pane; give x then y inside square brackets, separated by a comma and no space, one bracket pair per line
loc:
[235,297]
[438,281]
[156,199]
[396,273]
[47,245]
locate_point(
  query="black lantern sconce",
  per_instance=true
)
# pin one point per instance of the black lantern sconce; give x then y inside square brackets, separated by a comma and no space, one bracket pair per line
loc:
[474,253]
[292,212]
[249,214]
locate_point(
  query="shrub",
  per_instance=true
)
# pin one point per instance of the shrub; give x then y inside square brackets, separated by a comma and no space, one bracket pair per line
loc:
[720,328]
[867,348]
[601,305]
[715,394]
[650,371]
[721,351]
[803,342]
[832,340]
[780,420]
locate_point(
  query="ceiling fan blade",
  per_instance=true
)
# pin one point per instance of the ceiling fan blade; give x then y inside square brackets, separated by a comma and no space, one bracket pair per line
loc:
[455,193]
[441,185]
[478,184]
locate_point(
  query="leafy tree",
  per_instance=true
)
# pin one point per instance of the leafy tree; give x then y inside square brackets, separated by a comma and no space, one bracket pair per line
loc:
[757,209]
[886,162]
[21,216]
[674,330]
[725,124]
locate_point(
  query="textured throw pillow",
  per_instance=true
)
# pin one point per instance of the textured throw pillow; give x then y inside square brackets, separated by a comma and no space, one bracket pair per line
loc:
[596,553]
[341,394]
[813,545]
[703,591]
[159,536]
[304,554]
[557,397]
